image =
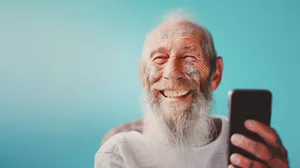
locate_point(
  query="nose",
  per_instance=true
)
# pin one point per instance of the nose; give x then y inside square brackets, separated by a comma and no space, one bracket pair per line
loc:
[173,70]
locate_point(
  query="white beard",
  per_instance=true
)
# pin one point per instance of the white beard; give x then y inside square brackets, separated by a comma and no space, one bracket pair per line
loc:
[172,142]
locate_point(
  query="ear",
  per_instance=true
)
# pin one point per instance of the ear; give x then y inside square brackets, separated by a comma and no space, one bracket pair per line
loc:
[217,76]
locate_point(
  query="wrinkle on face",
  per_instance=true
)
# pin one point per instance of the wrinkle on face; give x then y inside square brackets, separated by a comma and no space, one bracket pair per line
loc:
[191,70]
[179,48]
[151,74]
[198,70]
[183,29]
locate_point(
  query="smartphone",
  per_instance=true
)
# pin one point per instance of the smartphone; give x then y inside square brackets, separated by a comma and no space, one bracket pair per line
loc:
[247,104]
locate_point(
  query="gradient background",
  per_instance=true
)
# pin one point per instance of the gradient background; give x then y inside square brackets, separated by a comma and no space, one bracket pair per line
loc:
[69,70]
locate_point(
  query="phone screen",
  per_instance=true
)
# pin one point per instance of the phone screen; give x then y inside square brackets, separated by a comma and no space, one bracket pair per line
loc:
[244,105]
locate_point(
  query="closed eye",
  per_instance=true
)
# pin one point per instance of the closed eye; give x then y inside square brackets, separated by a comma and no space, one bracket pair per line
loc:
[189,58]
[160,59]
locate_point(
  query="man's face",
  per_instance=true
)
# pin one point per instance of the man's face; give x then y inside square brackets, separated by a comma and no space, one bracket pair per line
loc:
[175,69]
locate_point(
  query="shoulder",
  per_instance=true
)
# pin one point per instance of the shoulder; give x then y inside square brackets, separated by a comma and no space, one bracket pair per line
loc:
[225,122]
[136,125]
[222,124]
[223,118]
[116,148]
[120,139]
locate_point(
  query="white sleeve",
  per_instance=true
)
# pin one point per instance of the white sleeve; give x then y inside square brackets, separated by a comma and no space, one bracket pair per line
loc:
[108,160]
[108,156]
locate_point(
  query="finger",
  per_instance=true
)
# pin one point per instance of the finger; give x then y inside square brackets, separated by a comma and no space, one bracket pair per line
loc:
[257,149]
[280,163]
[284,152]
[242,161]
[269,135]
[264,131]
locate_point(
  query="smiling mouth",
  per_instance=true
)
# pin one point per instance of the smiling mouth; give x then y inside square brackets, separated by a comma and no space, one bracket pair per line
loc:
[175,94]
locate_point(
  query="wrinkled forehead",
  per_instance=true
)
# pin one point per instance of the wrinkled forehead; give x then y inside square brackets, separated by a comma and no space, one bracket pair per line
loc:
[173,30]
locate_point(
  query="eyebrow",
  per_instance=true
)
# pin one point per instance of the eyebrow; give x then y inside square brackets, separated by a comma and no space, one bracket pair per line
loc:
[159,50]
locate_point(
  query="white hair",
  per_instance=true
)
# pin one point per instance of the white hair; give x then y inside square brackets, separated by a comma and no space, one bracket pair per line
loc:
[178,15]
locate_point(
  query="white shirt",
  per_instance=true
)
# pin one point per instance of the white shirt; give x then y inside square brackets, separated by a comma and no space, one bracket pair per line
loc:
[130,150]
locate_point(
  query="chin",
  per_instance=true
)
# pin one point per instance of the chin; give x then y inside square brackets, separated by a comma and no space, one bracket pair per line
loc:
[175,109]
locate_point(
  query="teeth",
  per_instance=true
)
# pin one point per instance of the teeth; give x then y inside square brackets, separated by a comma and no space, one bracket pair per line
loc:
[174,94]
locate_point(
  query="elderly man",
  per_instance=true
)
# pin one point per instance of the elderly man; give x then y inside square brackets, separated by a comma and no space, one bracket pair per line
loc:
[179,70]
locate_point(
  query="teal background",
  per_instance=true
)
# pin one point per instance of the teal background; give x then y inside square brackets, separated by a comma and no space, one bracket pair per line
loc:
[69,70]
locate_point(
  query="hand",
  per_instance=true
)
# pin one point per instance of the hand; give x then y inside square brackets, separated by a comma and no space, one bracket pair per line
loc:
[273,154]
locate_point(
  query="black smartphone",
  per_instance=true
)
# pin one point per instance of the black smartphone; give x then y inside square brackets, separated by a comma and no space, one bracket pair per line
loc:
[247,104]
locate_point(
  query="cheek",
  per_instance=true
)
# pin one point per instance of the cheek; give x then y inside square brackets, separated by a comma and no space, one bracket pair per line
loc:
[197,71]
[152,74]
